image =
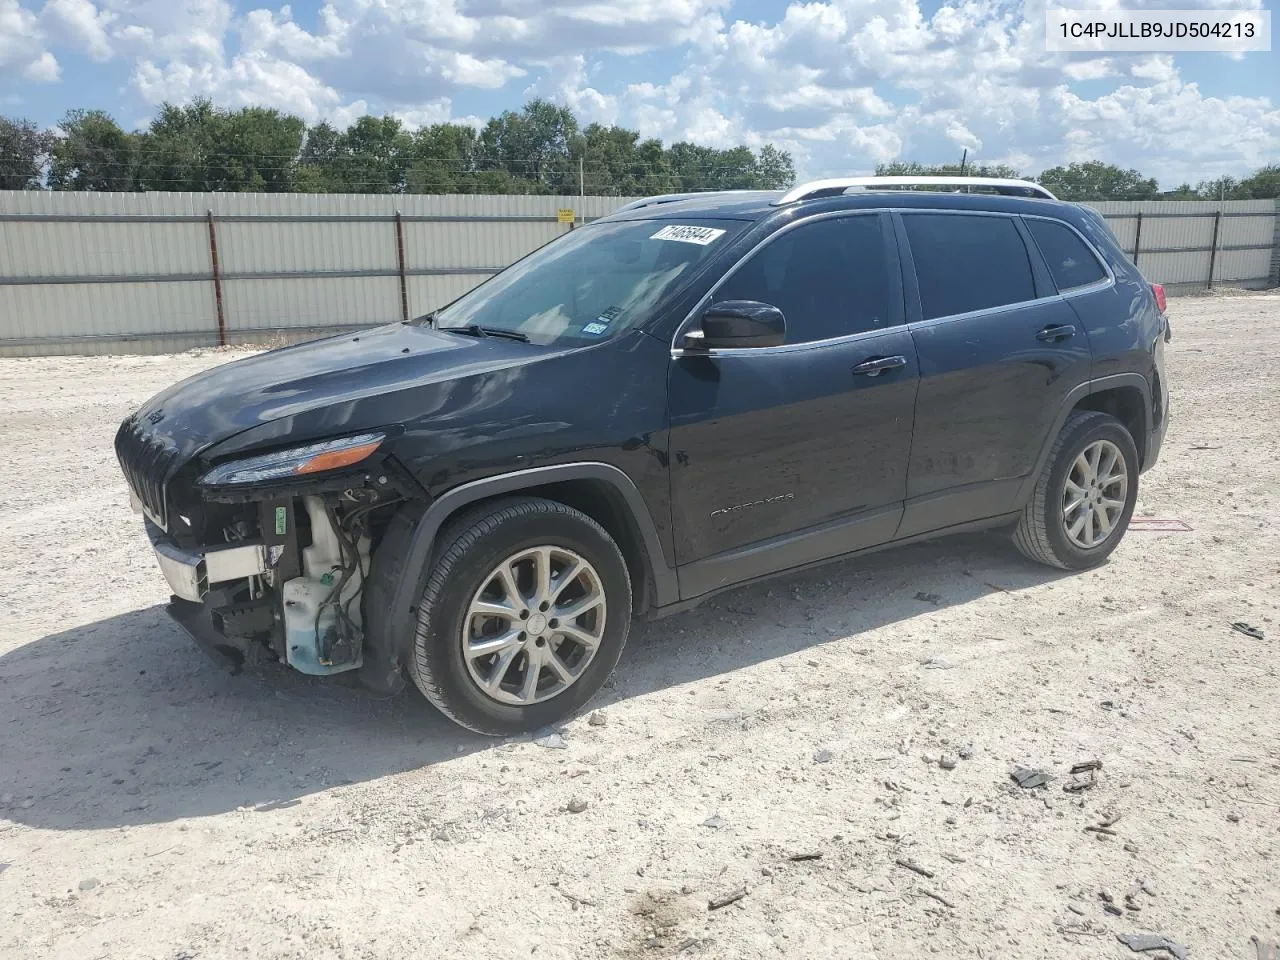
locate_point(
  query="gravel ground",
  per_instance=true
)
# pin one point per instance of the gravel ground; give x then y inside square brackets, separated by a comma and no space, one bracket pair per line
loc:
[154,806]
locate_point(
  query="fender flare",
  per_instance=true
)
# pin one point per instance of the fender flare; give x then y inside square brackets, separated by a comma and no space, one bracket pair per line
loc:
[414,573]
[1077,394]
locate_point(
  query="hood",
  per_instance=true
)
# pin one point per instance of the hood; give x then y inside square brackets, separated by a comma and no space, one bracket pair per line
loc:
[332,375]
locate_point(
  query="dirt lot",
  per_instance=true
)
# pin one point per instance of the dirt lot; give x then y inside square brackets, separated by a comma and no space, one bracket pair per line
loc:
[154,806]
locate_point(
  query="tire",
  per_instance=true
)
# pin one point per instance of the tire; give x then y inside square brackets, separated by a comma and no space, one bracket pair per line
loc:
[1043,533]
[472,552]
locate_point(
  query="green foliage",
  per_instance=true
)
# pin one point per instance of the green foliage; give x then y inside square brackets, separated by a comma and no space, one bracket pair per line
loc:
[539,149]
[93,153]
[23,148]
[901,168]
[1095,180]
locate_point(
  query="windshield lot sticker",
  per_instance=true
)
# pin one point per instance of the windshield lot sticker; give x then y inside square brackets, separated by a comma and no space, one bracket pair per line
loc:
[595,328]
[699,235]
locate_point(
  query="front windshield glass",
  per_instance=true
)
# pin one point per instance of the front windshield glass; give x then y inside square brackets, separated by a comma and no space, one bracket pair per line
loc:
[593,282]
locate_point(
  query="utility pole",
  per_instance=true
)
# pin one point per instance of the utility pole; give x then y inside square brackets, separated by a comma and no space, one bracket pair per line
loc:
[963,157]
[582,183]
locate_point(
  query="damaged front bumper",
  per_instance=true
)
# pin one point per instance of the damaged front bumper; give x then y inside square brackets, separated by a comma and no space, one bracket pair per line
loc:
[190,574]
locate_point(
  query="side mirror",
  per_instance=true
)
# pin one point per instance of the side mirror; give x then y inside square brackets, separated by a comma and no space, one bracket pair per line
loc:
[739,323]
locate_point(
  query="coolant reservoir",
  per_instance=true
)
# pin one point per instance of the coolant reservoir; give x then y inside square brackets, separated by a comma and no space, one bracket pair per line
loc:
[310,601]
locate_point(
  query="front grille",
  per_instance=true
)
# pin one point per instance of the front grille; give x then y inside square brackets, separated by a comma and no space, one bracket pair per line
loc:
[146,462]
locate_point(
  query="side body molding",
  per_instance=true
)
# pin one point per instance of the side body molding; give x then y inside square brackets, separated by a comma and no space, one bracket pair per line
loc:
[414,575]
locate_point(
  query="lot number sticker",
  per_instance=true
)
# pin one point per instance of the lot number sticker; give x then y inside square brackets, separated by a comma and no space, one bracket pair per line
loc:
[699,235]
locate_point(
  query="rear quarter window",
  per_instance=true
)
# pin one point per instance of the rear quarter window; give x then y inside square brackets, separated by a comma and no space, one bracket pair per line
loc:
[1070,261]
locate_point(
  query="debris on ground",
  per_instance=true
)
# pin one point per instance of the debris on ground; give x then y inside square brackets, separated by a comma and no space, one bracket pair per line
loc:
[1146,942]
[914,867]
[714,822]
[1027,778]
[806,855]
[947,762]
[576,805]
[939,897]
[1249,631]
[597,719]
[937,663]
[1158,525]
[88,883]
[552,741]
[823,756]
[731,897]
[928,598]
[1085,774]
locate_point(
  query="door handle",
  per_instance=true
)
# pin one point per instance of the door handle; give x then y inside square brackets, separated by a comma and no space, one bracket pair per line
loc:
[1056,333]
[877,365]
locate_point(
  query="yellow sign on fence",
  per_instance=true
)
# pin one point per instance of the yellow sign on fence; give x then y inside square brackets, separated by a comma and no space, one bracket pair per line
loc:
[566,216]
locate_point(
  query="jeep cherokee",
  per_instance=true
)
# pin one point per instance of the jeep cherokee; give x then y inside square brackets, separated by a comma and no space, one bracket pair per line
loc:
[693,393]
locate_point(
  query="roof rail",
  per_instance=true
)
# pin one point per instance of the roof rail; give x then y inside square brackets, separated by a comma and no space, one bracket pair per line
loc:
[841,185]
[676,198]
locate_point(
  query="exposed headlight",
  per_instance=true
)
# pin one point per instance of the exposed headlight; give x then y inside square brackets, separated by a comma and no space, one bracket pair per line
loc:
[295,462]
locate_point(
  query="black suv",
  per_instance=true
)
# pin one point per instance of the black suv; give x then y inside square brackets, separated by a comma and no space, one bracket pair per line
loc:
[691,394]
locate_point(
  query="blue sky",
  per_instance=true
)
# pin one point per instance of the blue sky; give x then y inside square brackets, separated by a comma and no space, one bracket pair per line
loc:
[842,84]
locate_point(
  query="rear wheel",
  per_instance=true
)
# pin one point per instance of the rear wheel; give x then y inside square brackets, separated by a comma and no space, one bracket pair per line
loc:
[1083,500]
[523,618]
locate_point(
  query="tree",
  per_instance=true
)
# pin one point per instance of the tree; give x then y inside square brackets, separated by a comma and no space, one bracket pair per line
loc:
[93,153]
[23,148]
[200,147]
[1264,184]
[910,168]
[1095,180]
[533,144]
[775,168]
[371,156]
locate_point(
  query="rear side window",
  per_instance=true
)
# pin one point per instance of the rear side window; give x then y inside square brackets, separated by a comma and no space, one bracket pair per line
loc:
[829,278]
[1070,261]
[966,263]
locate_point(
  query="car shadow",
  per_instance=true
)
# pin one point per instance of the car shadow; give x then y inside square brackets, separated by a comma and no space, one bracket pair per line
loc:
[125,721]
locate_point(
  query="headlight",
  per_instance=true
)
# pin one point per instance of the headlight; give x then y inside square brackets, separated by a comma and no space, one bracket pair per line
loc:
[295,462]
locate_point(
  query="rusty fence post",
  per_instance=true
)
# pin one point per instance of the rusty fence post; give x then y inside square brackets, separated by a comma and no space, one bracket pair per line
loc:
[217,280]
[404,285]
[1137,239]
[1213,247]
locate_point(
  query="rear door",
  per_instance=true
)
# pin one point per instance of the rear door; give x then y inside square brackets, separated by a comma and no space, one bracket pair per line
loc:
[999,350]
[787,454]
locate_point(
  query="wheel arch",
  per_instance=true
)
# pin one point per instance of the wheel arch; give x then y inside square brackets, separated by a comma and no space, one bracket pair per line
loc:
[600,490]
[1106,395]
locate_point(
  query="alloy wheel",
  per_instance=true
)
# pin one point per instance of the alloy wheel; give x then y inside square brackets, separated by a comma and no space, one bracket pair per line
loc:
[534,626]
[1094,495]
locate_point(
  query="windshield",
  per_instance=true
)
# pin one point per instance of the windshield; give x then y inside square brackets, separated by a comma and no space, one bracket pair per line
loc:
[592,283]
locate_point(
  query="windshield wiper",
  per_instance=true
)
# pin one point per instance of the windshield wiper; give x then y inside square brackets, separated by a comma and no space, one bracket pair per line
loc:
[476,330]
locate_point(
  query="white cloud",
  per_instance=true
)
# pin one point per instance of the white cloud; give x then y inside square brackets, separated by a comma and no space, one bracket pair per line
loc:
[22,45]
[81,24]
[843,84]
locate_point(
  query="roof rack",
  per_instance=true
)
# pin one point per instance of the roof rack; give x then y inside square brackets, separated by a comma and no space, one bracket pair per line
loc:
[677,197]
[842,185]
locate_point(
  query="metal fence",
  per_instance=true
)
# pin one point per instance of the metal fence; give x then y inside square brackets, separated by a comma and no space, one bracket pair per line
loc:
[1191,245]
[157,272]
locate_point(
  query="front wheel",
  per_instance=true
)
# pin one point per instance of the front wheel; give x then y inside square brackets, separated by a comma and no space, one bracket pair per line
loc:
[523,617]
[1085,496]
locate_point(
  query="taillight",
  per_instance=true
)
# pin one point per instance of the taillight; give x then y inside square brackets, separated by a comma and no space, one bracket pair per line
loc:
[1158,290]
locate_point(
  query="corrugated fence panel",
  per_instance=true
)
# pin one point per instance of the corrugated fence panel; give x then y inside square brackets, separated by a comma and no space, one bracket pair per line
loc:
[431,293]
[88,318]
[100,272]
[307,304]
[1176,237]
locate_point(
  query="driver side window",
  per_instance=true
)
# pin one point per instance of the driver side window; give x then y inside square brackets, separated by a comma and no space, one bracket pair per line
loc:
[830,278]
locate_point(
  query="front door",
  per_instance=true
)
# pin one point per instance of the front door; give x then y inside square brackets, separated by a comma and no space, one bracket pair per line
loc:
[788,454]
